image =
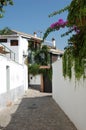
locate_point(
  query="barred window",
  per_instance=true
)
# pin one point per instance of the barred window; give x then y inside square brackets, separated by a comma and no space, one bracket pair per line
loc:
[3,40]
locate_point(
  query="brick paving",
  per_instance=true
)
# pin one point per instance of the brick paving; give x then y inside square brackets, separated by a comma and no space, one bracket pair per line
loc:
[34,111]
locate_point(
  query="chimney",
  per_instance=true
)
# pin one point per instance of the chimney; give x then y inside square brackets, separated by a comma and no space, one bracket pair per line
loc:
[54,42]
[35,34]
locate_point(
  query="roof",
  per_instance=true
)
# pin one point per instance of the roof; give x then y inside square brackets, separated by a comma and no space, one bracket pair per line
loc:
[56,51]
[15,33]
[26,35]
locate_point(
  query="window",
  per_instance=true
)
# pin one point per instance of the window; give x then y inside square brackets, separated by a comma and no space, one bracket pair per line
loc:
[14,42]
[3,40]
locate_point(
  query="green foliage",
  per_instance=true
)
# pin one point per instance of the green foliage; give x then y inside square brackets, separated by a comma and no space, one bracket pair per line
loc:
[67,33]
[74,57]
[33,69]
[68,62]
[6,31]
[47,33]
[59,12]
[4,3]
[55,28]
[73,64]
[31,45]
[46,72]
[42,56]
[77,13]
[79,68]
[76,52]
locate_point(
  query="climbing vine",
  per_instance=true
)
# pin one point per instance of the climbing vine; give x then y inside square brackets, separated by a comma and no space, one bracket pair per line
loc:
[41,57]
[75,52]
[35,69]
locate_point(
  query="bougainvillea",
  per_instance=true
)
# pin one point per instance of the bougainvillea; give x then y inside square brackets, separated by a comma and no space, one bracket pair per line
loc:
[59,23]
[55,26]
[75,51]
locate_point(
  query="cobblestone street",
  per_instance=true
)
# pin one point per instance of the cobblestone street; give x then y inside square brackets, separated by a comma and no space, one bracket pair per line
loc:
[34,111]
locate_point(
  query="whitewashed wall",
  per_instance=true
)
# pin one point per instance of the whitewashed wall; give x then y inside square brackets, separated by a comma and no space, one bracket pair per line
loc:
[15,49]
[18,50]
[13,81]
[70,95]
[23,48]
[35,80]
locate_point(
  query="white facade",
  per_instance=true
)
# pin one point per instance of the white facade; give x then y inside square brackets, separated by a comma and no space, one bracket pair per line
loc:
[13,73]
[13,81]
[20,49]
[35,80]
[70,95]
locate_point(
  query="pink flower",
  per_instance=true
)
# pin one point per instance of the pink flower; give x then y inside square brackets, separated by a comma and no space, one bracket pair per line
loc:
[76,29]
[66,22]
[52,26]
[58,24]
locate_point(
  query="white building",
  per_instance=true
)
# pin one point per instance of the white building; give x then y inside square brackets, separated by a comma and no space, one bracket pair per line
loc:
[13,68]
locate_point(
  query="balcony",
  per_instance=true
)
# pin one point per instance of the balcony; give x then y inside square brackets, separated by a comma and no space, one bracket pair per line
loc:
[5,51]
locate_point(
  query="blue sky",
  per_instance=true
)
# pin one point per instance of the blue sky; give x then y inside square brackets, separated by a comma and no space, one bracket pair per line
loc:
[32,16]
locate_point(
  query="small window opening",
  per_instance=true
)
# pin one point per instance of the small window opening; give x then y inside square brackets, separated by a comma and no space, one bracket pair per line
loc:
[14,43]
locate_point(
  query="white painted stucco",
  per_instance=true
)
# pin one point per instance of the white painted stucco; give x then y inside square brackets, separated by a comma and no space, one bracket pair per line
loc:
[13,80]
[13,74]
[70,95]
[19,50]
[35,80]
[23,48]
[15,49]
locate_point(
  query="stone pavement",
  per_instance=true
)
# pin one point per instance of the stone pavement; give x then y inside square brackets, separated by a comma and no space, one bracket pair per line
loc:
[34,111]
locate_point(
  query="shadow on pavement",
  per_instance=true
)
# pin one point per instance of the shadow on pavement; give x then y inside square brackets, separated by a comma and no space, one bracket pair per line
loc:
[39,113]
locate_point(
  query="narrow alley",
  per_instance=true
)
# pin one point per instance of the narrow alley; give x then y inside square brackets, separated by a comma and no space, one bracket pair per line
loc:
[34,111]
